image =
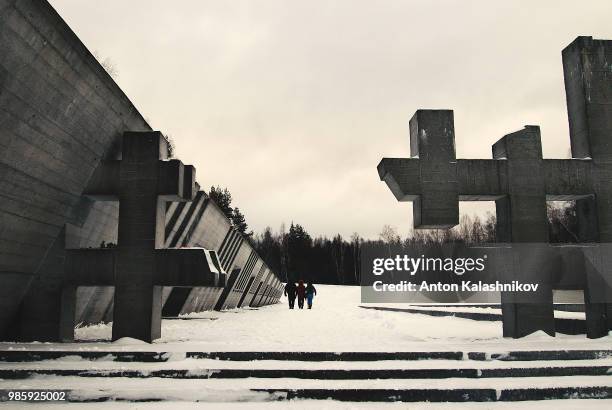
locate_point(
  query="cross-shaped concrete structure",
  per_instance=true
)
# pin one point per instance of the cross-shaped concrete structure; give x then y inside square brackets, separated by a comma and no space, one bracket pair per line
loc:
[139,266]
[520,181]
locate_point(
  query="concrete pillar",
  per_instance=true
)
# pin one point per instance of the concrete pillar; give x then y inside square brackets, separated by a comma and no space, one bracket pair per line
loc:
[137,307]
[588,89]
[227,289]
[256,294]
[245,292]
[432,140]
[523,219]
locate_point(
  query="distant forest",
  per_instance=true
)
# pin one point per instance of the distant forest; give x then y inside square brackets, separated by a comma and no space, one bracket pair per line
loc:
[294,254]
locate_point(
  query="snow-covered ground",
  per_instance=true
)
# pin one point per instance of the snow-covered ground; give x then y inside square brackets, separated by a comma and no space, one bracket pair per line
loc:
[336,323]
[559,314]
[331,405]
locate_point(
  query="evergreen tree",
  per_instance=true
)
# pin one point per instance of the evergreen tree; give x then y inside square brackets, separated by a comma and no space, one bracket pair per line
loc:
[296,255]
[223,199]
[269,248]
[239,222]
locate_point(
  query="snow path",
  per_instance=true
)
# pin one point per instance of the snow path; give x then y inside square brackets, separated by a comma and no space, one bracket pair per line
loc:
[335,324]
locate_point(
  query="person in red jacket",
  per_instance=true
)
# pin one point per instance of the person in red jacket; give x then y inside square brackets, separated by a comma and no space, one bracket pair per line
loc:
[301,293]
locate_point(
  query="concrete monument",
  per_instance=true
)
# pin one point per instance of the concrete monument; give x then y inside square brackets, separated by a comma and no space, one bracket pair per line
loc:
[520,182]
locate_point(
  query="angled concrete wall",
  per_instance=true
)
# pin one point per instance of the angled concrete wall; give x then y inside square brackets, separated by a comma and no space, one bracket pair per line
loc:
[209,228]
[61,115]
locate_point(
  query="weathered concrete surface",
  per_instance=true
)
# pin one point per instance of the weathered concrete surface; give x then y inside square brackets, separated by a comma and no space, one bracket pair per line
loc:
[209,228]
[523,219]
[61,115]
[138,266]
[520,181]
[246,258]
[255,286]
[269,285]
[432,140]
[185,268]
[587,68]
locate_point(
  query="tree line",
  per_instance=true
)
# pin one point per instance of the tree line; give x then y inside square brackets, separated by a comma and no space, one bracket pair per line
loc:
[295,254]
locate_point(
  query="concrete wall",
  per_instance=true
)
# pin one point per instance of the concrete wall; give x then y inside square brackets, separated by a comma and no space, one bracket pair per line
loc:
[210,229]
[199,223]
[61,114]
[588,88]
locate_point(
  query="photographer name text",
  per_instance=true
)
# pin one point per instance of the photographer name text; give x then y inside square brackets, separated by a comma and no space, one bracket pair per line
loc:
[464,286]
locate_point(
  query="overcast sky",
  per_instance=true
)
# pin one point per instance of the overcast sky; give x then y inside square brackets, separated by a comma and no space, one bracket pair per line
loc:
[292,104]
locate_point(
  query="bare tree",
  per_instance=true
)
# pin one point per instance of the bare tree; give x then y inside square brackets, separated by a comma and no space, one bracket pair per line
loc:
[389,235]
[356,241]
[107,64]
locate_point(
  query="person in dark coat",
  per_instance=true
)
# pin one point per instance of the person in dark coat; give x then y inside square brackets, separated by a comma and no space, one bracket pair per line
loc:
[291,293]
[301,293]
[310,294]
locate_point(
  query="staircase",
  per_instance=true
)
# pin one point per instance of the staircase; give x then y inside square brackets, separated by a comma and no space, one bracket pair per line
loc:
[437,376]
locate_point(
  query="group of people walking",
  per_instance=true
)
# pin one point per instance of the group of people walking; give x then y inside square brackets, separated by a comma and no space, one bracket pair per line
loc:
[301,292]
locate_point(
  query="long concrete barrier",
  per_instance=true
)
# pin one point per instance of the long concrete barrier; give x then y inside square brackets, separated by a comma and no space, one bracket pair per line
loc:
[62,115]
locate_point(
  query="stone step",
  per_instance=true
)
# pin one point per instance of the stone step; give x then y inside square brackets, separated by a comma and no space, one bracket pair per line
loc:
[361,395]
[562,325]
[148,356]
[316,374]
[183,363]
[450,395]
[254,389]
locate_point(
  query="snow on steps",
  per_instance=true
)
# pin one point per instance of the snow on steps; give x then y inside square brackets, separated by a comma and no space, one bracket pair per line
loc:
[151,356]
[568,323]
[213,390]
[356,376]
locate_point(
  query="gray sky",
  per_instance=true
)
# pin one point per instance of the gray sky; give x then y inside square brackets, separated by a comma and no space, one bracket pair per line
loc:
[291,104]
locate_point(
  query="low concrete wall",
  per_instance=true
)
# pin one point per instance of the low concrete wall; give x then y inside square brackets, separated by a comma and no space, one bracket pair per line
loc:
[209,228]
[200,223]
